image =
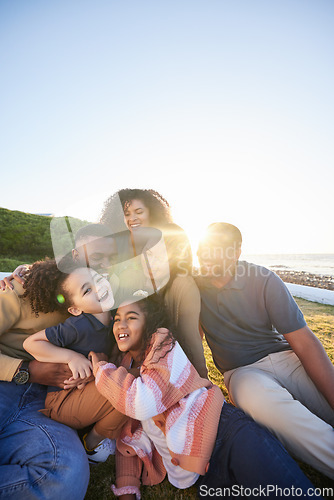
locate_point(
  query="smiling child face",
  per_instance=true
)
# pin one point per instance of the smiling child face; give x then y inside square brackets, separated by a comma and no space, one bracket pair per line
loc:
[129,325]
[89,292]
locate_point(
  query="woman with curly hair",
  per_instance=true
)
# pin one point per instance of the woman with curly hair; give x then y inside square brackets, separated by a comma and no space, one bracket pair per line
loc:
[39,458]
[156,266]
[138,207]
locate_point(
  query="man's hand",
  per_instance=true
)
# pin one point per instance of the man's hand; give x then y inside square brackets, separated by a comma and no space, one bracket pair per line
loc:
[79,383]
[17,275]
[56,374]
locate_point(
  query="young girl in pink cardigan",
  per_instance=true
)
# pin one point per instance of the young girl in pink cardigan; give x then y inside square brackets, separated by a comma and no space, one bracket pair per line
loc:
[180,424]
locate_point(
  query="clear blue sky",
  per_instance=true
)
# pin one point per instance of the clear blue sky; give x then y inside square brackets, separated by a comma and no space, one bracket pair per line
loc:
[225,107]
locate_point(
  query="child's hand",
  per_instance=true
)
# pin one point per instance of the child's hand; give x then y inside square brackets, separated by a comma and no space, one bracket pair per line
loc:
[95,357]
[162,330]
[80,366]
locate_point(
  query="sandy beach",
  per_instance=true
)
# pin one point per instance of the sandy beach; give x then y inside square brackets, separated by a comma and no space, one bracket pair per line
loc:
[307,279]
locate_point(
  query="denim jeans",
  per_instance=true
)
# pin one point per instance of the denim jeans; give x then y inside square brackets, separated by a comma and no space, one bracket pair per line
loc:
[247,455]
[39,458]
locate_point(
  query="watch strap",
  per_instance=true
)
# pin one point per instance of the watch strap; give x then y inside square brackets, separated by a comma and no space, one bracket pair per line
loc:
[24,366]
[22,375]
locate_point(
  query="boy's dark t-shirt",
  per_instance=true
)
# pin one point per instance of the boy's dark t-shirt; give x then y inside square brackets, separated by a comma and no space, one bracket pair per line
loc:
[82,334]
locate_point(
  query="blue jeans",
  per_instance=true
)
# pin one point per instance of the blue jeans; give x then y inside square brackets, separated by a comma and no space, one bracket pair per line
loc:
[39,458]
[247,455]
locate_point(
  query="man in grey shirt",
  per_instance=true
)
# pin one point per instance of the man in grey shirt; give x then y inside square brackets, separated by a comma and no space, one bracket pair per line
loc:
[274,367]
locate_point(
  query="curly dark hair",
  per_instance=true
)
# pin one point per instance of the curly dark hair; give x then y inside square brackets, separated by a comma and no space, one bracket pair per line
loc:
[157,205]
[43,285]
[156,317]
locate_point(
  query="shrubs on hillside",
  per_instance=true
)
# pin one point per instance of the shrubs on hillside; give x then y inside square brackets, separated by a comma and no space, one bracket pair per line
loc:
[25,238]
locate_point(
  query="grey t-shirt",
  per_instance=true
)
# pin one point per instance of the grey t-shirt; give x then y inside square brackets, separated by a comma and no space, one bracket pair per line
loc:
[245,320]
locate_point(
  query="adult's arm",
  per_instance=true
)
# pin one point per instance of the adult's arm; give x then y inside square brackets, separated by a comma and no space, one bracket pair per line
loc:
[54,374]
[314,359]
[17,275]
[164,367]
[10,311]
[39,346]
[184,303]
[288,319]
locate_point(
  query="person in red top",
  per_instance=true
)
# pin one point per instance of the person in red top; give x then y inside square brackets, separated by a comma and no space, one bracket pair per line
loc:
[180,423]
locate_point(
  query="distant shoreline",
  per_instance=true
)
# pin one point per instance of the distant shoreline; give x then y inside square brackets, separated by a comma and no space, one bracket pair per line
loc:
[296,277]
[307,279]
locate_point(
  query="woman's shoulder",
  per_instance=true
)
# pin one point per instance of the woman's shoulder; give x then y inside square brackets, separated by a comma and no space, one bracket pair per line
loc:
[183,288]
[184,282]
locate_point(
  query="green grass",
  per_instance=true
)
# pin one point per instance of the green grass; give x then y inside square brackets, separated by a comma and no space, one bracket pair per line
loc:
[8,264]
[25,238]
[320,318]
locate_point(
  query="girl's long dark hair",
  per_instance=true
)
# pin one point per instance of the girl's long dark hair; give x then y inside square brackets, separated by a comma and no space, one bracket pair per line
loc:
[156,317]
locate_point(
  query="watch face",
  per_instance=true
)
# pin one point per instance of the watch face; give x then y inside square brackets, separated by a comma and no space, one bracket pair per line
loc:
[21,377]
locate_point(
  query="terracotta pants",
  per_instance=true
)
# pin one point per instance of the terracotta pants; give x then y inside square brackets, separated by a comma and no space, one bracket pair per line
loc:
[277,393]
[79,408]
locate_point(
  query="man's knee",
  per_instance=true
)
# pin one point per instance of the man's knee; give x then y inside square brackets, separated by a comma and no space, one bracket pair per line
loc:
[251,389]
[42,459]
[71,474]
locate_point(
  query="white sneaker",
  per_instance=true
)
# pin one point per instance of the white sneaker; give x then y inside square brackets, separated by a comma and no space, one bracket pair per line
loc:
[102,451]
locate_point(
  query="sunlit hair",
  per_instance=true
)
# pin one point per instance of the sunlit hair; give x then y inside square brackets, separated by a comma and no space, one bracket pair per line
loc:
[222,233]
[156,316]
[178,251]
[156,204]
[43,286]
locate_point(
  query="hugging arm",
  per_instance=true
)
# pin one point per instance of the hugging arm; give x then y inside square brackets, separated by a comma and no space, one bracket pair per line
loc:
[287,318]
[164,367]
[40,373]
[43,350]
[17,275]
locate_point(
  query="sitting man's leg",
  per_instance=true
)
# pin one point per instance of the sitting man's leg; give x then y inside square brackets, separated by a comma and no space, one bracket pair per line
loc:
[260,390]
[39,458]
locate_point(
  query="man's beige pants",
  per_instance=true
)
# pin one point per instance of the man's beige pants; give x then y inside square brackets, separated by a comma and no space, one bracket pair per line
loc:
[277,392]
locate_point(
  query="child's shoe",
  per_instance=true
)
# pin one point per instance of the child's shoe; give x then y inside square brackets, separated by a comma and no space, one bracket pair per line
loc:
[101,452]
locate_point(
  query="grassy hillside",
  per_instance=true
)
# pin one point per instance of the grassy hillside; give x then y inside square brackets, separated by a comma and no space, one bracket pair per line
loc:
[321,319]
[25,238]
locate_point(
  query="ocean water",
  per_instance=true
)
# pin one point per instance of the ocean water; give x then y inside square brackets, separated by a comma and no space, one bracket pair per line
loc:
[322,264]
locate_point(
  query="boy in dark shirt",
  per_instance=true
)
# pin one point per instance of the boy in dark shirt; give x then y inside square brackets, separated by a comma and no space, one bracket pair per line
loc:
[88,297]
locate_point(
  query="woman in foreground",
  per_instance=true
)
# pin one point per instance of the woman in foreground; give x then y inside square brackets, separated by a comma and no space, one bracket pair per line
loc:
[180,423]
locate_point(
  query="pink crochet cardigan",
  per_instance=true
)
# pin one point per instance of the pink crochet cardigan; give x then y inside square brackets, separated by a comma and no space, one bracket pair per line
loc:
[183,405]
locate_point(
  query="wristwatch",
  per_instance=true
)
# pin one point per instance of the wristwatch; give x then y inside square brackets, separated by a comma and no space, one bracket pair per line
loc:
[22,376]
